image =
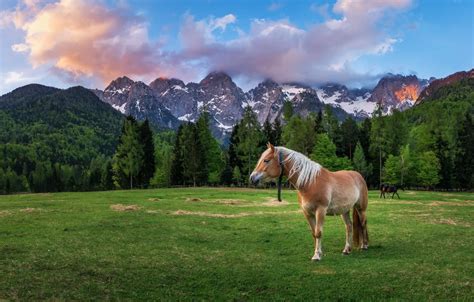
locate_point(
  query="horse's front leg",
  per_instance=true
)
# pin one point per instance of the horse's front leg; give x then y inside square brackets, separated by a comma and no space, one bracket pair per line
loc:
[347,221]
[312,223]
[318,233]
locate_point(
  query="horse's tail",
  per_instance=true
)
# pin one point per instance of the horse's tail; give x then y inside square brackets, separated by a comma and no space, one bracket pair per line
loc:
[357,231]
[360,235]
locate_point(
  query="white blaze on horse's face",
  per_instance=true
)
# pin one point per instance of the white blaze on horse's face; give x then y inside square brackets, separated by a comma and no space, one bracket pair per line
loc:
[267,167]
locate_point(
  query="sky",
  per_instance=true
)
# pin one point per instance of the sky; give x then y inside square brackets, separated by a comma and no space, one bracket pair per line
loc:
[64,43]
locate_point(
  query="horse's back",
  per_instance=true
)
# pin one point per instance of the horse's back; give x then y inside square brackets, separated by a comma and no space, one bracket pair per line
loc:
[350,186]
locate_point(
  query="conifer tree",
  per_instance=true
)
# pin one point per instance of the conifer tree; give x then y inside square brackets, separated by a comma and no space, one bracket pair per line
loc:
[464,162]
[128,158]
[350,136]
[277,130]
[360,163]
[193,156]
[287,110]
[176,172]
[250,140]
[268,132]
[147,169]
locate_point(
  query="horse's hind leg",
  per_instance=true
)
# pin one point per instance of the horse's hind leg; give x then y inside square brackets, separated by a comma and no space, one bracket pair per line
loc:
[365,233]
[397,195]
[347,221]
[318,250]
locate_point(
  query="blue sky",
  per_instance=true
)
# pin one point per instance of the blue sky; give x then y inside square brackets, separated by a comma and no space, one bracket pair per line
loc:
[84,42]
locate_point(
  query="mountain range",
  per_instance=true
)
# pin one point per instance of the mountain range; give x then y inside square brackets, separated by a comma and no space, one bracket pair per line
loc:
[167,102]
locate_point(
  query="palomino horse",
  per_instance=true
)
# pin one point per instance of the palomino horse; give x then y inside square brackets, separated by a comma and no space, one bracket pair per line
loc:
[320,192]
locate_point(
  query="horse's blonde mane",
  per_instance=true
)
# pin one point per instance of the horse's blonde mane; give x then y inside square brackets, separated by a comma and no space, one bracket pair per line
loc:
[306,168]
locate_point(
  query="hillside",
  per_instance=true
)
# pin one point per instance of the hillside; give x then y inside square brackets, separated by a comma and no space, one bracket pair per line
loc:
[69,126]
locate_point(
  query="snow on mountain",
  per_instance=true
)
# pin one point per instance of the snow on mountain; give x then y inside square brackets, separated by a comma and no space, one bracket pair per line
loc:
[169,102]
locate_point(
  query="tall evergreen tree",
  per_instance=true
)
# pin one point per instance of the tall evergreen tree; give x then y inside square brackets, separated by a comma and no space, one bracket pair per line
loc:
[147,169]
[193,156]
[332,128]
[350,136]
[128,158]
[378,143]
[226,174]
[213,161]
[277,130]
[287,110]
[428,169]
[318,123]
[250,141]
[360,163]
[324,153]
[176,172]
[233,144]
[464,162]
[298,134]
[268,132]
[444,154]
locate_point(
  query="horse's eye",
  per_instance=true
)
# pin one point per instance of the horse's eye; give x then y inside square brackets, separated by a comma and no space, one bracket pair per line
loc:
[266,161]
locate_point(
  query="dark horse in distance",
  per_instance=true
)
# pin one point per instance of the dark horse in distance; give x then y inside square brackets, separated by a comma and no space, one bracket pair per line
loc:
[386,188]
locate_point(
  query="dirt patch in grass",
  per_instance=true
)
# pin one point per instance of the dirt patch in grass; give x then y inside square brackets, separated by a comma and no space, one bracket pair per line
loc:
[237,215]
[124,208]
[451,222]
[231,201]
[193,199]
[153,211]
[153,199]
[396,202]
[30,210]
[466,203]
[273,202]
[4,213]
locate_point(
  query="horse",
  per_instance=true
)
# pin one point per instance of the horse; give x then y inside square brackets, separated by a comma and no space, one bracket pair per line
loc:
[385,188]
[320,192]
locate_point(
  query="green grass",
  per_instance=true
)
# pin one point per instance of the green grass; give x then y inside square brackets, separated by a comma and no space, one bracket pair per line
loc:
[73,246]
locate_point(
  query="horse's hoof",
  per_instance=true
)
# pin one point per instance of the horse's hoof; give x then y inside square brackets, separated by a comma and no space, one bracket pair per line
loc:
[314,259]
[345,253]
[364,247]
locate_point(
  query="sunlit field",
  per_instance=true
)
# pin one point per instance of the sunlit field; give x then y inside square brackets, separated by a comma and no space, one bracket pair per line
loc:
[225,244]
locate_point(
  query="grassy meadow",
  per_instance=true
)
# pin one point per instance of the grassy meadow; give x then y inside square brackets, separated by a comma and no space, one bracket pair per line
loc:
[229,244]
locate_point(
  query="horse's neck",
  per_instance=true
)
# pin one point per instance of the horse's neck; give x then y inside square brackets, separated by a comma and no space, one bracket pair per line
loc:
[286,171]
[294,178]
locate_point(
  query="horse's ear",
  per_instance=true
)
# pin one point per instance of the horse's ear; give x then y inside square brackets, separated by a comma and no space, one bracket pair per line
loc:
[270,146]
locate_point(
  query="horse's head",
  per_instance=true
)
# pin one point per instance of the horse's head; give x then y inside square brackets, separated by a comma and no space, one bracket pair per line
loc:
[268,166]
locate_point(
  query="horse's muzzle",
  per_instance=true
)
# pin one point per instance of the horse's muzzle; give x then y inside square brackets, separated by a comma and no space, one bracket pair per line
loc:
[255,177]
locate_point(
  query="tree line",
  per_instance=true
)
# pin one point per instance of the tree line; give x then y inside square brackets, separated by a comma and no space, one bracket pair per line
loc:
[429,146]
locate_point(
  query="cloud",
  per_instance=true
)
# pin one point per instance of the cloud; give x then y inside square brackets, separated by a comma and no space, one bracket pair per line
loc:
[285,52]
[21,47]
[222,23]
[86,39]
[14,77]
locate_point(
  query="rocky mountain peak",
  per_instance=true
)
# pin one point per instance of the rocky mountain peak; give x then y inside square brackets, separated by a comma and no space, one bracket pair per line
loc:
[120,83]
[397,91]
[217,78]
[160,85]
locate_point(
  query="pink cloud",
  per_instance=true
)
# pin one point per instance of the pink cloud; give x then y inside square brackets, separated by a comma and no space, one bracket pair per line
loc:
[88,40]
